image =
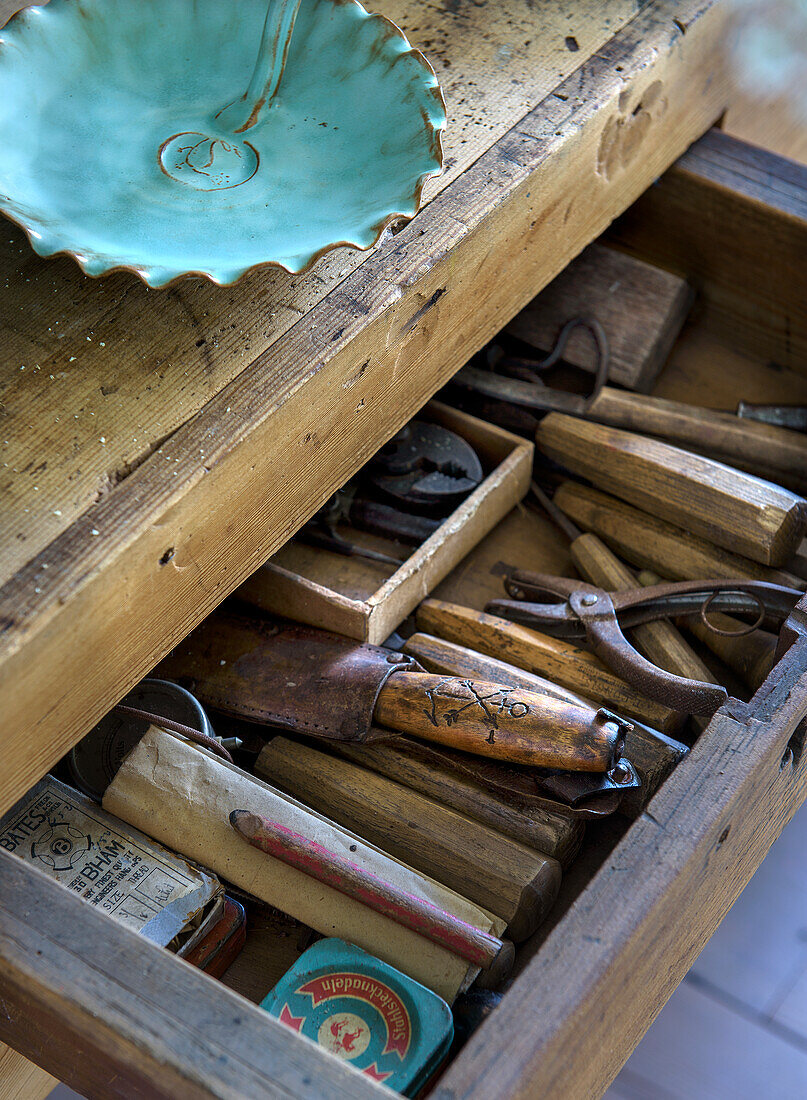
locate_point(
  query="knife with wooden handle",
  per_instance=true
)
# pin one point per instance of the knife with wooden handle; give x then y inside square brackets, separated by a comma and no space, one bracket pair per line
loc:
[505,723]
[653,754]
[568,665]
[312,682]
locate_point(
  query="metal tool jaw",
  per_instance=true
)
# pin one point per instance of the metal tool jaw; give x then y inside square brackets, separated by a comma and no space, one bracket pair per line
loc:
[425,468]
[580,610]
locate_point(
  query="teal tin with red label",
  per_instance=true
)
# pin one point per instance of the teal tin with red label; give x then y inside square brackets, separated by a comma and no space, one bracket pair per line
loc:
[360,1009]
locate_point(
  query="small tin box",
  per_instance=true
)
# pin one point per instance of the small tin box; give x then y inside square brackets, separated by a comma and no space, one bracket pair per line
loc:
[360,1009]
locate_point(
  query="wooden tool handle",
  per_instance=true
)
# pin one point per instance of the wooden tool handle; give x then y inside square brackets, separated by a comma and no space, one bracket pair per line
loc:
[502,722]
[469,943]
[761,448]
[652,754]
[556,833]
[728,507]
[569,665]
[652,543]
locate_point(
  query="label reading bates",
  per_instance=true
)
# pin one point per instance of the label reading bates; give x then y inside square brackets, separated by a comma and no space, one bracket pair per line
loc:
[355,1017]
[124,873]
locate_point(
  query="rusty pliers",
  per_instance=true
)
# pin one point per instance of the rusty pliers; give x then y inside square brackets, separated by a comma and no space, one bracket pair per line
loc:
[579,610]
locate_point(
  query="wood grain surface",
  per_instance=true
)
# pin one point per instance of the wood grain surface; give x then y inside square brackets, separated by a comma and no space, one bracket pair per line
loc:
[652,543]
[502,875]
[500,721]
[198,480]
[641,308]
[21,1079]
[762,449]
[727,507]
[556,833]
[557,660]
[117,1017]
[723,197]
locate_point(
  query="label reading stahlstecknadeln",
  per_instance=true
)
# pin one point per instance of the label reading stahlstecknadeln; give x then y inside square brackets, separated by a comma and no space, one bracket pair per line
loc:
[364,1011]
[123,872]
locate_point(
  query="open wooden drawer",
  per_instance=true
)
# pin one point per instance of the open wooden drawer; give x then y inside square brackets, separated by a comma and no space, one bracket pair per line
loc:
[116,1016]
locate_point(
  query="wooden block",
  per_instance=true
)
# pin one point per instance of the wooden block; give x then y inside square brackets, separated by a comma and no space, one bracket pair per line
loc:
[498,721]
[567,664]
[762,449]
[727,507]
[557,834]
[653,754]
[498,873]
[723,197]
[652,543]
[641,308]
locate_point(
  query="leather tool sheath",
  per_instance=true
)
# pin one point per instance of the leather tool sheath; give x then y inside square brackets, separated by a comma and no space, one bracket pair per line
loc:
[312,682]
[282,674]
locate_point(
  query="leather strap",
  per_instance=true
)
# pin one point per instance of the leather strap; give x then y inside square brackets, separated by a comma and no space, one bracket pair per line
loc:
[276,673]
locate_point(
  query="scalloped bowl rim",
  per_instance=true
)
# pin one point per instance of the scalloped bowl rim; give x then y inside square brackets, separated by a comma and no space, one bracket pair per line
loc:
[142,272]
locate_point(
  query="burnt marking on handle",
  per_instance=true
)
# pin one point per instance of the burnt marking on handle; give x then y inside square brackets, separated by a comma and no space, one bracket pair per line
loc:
[494,703]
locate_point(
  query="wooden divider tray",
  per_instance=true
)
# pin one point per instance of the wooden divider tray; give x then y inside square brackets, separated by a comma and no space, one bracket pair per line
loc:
[367,600]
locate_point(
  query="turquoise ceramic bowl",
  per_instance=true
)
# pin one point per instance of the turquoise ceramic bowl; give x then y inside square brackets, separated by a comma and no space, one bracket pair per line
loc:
[91,91]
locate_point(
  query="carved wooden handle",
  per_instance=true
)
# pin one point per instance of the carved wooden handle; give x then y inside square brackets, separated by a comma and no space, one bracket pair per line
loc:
[506,723]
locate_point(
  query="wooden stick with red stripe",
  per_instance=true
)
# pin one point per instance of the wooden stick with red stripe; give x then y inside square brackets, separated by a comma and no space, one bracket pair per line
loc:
[460,938]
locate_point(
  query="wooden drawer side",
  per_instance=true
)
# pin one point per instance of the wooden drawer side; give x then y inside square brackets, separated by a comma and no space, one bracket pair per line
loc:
[581,1006]
[113,1015]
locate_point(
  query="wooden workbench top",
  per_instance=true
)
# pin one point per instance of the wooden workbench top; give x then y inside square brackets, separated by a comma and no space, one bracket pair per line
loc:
[157,446]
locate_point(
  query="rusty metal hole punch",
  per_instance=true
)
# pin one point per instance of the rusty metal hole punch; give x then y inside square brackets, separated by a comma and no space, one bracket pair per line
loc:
[579,610]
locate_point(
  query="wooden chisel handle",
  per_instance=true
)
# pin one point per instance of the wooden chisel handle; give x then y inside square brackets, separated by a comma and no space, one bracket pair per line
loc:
[728,507]
[472,944]
[504,723]
[652,543]
[764,449]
